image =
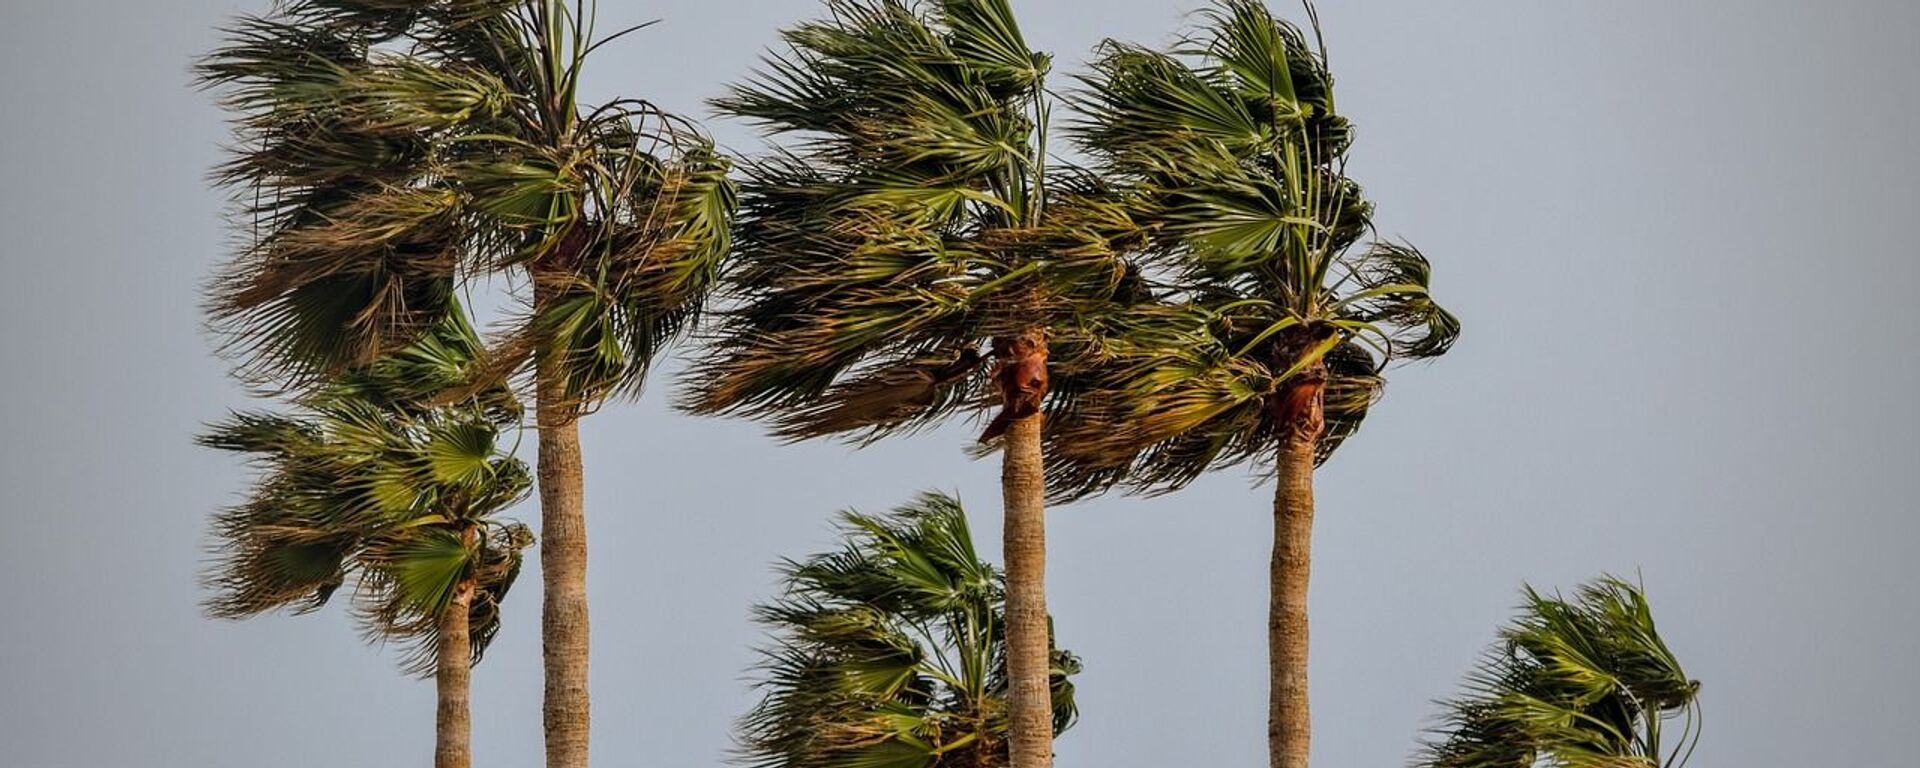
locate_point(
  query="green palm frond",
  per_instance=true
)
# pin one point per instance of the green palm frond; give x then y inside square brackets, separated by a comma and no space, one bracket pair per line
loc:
[386,152]
[909,219]
[1228,160]
[890,651]
[376,482]
[1580,682]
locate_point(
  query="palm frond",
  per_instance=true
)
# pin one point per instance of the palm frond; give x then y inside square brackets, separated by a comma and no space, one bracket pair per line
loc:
[1227,158]
[1577,682]
[387,151]
[890,651]
[380,482]
[909,220]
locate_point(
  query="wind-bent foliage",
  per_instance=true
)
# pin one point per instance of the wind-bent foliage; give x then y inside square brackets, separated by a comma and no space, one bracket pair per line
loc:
[891,652]
[1585,682]
[908,224]
[369,485]
[1230,160]
[388,151]
[908,233]
[380,480]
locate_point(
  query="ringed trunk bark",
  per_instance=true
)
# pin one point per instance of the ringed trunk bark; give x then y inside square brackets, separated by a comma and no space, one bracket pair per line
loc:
[1029,698]
[563,570]
[453,677]
[1289,727]
[1023,381]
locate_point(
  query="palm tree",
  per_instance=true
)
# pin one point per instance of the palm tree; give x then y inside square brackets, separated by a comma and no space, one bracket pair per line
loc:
[905,257]
[1269,339]
[366,484]
[891,652]
[1585,682]
[389,150]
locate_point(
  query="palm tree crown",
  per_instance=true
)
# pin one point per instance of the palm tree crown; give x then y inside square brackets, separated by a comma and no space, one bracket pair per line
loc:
[391,151]
[387,150]
[1580,682]
[891,652]
[1229,158]
[369,484]
[909,231]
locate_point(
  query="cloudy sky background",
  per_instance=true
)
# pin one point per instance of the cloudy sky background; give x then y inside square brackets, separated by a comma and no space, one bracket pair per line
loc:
[1678,234]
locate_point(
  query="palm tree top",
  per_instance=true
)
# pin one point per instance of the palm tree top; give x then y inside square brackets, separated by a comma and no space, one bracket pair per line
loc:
[1229,158]
[386,152]
[909,219]
[368,483]
[1576,682]
[890,651]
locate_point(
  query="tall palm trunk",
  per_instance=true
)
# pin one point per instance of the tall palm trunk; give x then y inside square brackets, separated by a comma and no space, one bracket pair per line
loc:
[563,533]
[453,677]
[1021,373]
[1029,699]
[563,572]
[1289,726]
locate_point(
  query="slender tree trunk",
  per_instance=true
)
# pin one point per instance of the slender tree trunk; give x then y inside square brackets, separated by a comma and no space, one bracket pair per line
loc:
[1289,726]
[1028,697]
[453,677]
[563,571]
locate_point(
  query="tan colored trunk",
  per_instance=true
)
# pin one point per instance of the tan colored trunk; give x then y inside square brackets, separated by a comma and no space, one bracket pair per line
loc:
[563,571]
[1029,699]
[453,678]
[1289,725]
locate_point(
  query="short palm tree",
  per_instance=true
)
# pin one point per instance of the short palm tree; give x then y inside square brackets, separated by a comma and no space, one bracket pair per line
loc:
[367,484]
[1585,682]
[891,653]
[905,257]
[389,150]
[1268,340]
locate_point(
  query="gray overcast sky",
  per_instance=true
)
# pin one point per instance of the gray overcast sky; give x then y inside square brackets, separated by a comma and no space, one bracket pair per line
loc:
[1677,233]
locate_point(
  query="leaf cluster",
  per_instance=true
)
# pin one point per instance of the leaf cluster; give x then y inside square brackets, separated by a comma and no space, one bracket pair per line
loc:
[1228,160]
[388,151]
[910,219]
[890,653]
[1580,682]
[371,482]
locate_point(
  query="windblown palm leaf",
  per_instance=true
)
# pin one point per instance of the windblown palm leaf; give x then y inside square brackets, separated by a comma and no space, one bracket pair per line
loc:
[890,652]
[909,223]
[908,233]
[370,484]
[1229,159]
[1585,682]
[388,150]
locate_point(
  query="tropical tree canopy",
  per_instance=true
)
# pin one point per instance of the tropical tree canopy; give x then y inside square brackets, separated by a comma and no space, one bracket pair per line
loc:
[908,232]
[387,150]
[1585,682]
[890,652]
[1229,159]
[367,483]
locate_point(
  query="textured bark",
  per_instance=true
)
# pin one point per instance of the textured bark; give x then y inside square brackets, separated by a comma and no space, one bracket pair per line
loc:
[453,677]
[1289,726]
[1020,371]
[1029,698]
[563,571]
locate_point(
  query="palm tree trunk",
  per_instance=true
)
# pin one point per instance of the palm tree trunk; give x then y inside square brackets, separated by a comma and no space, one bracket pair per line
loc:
[563,571]
[453,677]
[1029,699]
[1289,726]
